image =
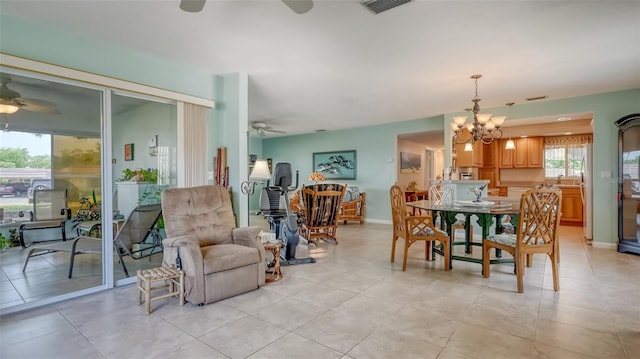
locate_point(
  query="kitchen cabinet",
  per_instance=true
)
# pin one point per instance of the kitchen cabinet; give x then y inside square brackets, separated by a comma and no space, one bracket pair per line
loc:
[490,174]
[468,158]
[490,155]
[571,206]
[527,154]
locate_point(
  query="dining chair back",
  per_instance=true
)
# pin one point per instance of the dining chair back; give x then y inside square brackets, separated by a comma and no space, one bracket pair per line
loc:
[443,194]
[536,232]
[414,228]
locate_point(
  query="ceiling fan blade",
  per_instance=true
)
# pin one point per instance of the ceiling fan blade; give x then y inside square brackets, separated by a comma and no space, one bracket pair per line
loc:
[40,106]
[274,131]
[299,6]
[192,5]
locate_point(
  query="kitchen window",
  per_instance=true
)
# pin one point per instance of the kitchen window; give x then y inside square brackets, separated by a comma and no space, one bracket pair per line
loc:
[565,156]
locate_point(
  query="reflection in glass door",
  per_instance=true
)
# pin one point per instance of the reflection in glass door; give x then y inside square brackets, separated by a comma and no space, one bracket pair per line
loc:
[144,142]
[50,143]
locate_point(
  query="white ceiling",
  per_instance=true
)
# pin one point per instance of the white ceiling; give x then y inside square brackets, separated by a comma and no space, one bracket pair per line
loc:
[340,66]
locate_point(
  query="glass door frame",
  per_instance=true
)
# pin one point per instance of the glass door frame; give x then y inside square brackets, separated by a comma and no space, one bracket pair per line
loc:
[50,72]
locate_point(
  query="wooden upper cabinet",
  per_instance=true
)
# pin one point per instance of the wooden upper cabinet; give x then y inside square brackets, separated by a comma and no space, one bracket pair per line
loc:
[468,159]
[536,152]
[529,153]
[505,160]
[490,155]
[521,154]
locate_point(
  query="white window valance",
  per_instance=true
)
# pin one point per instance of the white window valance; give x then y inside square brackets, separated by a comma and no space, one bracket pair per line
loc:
[568,140]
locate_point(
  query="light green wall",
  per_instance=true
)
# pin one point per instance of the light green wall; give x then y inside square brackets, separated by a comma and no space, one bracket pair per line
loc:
[377,143]
[31,40]
[376,156]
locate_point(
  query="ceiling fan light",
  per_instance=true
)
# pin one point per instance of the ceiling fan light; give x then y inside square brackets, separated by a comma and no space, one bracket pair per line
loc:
[8,107]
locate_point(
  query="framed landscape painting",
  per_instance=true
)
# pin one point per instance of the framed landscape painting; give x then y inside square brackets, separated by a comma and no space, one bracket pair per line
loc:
[410,162]
[335,164]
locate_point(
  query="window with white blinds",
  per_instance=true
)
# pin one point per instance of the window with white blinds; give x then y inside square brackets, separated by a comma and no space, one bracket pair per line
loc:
[565,155]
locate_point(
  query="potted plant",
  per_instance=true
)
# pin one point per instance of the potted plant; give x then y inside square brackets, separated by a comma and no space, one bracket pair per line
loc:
[5,243]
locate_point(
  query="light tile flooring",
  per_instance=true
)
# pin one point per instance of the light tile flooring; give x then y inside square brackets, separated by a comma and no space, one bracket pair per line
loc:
[47,275]
[354,303]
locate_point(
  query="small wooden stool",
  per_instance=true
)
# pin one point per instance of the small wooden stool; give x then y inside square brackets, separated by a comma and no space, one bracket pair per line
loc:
[172,278]
[274,273]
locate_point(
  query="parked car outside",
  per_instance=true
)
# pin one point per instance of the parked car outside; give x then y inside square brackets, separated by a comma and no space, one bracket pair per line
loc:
[38,184]
[17,189]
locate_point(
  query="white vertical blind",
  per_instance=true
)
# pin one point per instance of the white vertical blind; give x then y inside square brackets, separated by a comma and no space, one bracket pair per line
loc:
[195,145]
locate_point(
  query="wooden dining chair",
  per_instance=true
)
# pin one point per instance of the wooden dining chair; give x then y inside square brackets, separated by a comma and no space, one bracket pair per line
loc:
[414,228]
[536,232]
[443,194]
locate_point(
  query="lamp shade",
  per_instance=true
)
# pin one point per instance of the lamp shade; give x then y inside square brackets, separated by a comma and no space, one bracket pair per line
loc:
[483,118]
[8,107]
[468,147]
[510,145]
[459,120]
[317,176]
[260,171]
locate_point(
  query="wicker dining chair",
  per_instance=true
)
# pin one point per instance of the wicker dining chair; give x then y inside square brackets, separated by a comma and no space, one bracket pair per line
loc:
[536,232]
[414,228]
[443,194]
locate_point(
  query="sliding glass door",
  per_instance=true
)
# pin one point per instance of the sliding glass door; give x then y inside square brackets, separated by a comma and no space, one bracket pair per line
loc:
[50,144]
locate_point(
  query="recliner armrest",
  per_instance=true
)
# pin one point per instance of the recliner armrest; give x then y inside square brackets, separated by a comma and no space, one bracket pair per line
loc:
[192,262]
[249,237]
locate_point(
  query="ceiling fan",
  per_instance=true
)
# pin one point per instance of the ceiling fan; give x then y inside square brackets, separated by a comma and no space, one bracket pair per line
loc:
[11,101]
[298,6]
[262,128]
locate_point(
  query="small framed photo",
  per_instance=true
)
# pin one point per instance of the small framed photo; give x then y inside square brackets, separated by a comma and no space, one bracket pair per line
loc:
[128,152]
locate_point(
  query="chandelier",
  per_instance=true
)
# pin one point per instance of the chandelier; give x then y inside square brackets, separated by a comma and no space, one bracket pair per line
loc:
[484,127]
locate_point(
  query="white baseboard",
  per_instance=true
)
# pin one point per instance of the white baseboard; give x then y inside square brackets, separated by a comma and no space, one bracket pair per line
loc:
[604,245]
[380,221]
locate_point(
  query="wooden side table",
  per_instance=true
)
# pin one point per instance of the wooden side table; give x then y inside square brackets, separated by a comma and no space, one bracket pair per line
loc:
[274,272]
[173,280]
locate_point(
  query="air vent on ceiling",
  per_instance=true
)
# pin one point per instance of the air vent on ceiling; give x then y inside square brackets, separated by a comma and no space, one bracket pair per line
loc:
[536,98]
[378,6]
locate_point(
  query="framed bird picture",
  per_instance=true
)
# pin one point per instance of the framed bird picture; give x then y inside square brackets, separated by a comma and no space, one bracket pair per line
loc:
[336,164]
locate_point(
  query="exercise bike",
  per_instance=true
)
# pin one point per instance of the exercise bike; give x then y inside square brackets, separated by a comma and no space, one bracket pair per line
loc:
[286,223]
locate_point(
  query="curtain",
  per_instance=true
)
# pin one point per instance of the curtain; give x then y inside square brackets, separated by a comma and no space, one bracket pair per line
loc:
[195,142]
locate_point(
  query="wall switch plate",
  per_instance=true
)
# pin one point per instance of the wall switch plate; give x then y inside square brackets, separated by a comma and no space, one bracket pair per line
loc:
[153,141]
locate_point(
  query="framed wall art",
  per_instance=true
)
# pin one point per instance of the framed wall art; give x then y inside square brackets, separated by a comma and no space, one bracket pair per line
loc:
[335,164]
[128,152]
[410,162]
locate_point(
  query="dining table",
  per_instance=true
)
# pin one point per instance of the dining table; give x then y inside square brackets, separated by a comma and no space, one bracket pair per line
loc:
[487,212]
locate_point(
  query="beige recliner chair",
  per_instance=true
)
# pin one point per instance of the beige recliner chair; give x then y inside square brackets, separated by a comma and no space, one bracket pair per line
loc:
[218,259]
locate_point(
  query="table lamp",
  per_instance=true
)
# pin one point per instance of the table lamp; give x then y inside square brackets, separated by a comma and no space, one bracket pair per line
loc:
[317,176]
[260,172]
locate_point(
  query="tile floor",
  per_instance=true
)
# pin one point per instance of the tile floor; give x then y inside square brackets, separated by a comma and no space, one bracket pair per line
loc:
[47,275]
[354,303]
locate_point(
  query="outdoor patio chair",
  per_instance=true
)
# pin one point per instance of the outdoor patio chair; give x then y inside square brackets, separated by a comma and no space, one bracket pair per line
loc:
[138,238]
[50,210]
